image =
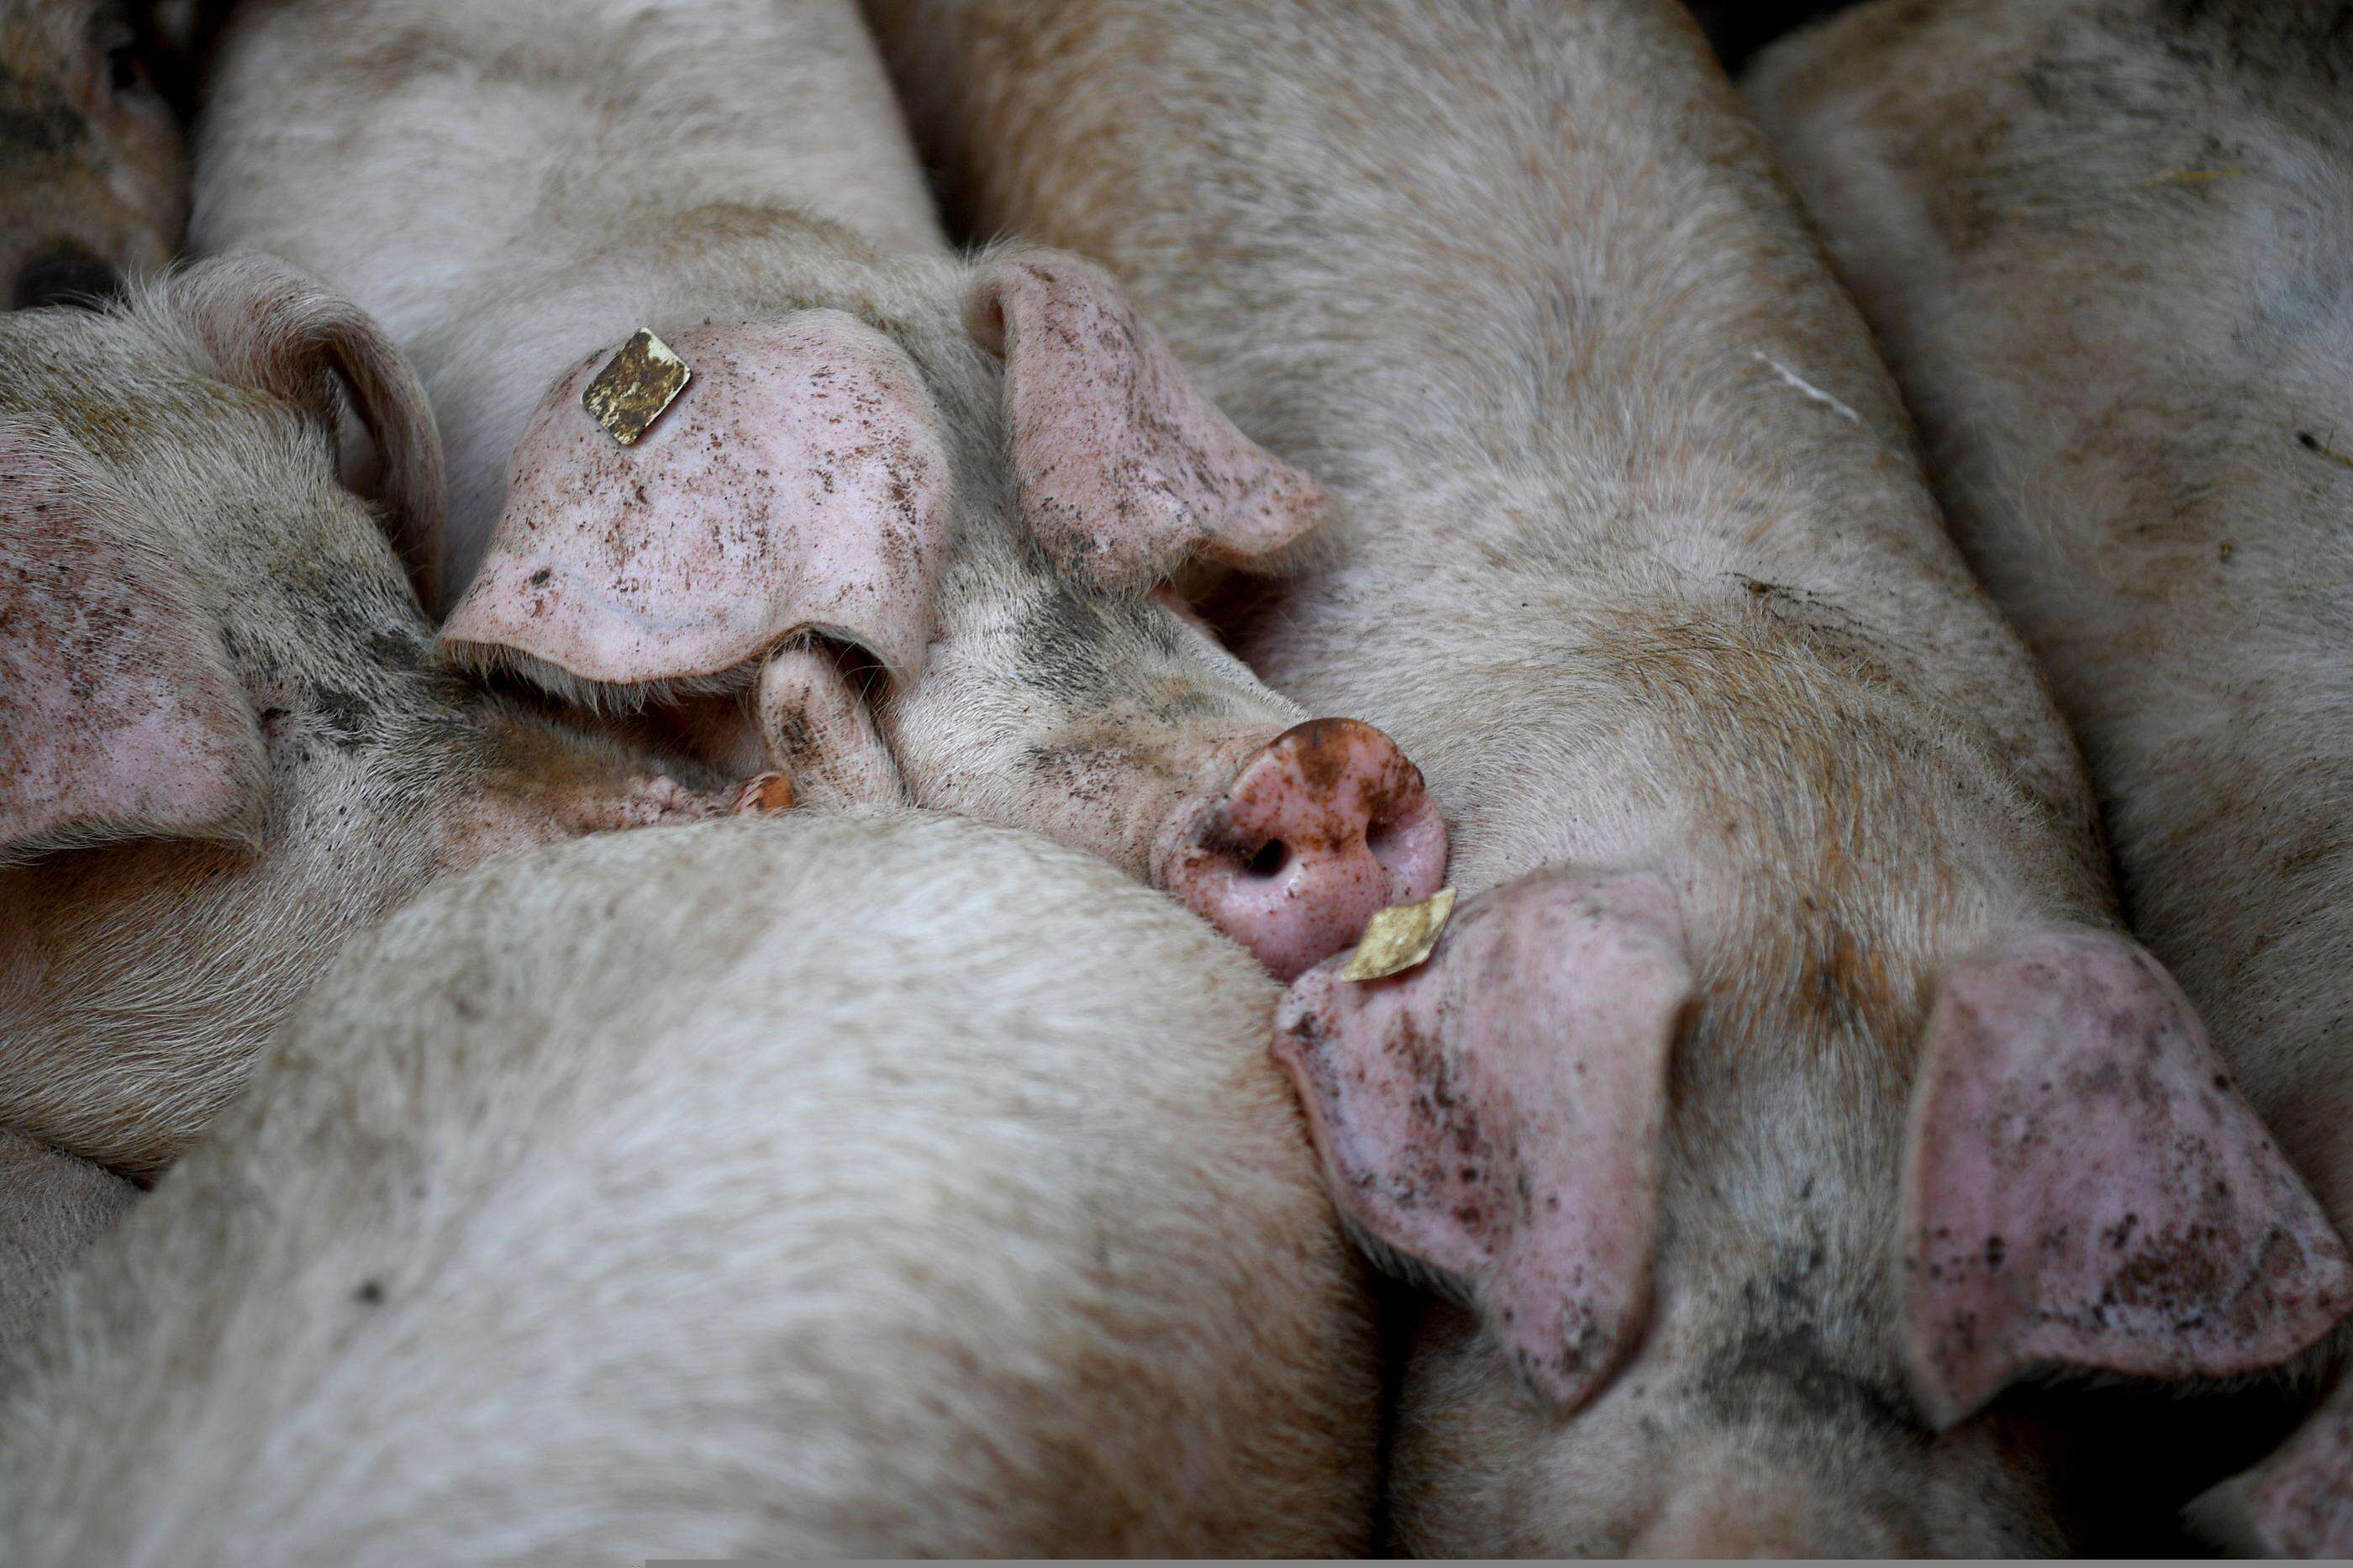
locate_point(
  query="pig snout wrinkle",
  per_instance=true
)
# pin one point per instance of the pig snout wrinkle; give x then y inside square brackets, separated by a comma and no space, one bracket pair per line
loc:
[1317,833]
[63,275]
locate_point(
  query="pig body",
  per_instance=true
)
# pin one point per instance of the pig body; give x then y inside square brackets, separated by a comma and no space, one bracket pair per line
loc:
[224,743]
[753,1189]
[2104,246]
[94,183]
[1628,548]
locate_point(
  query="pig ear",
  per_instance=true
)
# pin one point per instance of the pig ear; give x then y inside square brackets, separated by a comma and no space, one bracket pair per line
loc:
[798,483]
[273,328]
[821,731]
[119,713]
[2085,1189]
[1494,1116]
[1127,472]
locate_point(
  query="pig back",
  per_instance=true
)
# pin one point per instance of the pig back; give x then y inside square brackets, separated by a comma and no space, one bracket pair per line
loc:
[826,1186]
[509,187]
[2105,248]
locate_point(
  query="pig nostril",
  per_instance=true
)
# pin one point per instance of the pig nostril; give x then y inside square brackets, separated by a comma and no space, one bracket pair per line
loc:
[1268,861]
[1386,837]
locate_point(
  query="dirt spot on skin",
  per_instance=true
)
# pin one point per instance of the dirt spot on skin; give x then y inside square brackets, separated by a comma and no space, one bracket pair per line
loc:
[1780,1363]
[1323,749]
[1453,1165]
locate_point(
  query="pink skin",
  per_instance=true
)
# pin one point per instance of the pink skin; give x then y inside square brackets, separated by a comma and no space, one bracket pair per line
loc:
[2086,1189]
[823,732]
[1320,831]
[797,482]
[1127,471]
[180,753]
[1494,1115]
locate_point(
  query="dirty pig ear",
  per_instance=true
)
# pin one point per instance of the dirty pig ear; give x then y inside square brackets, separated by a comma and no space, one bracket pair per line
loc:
[119,713]
[821,731]
[2085,1189]
[273,328]
[798,483]
[1125,470]
[1494,1116]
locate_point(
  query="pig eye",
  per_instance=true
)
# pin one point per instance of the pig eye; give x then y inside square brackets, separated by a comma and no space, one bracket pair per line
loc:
[114,42]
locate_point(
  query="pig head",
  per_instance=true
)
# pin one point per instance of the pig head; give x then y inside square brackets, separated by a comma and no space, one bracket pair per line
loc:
[126,716]
[224,743]
[2084,1191]
[92,181]
[923,562]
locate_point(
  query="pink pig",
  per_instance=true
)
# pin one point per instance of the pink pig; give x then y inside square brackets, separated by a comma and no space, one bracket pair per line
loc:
[1786,1087]
[2121,310]
[225,742]
[901,531]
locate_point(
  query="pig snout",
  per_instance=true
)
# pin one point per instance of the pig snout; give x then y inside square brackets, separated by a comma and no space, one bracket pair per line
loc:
[1318,832]
[62,274]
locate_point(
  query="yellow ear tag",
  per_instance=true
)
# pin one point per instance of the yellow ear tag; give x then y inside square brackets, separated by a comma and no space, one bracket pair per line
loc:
[636,385]
[1400,937]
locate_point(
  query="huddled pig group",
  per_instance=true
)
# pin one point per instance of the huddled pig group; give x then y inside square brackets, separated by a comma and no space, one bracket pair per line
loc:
[768,962]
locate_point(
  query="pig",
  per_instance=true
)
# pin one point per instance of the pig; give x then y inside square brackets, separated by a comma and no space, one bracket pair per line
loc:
[93,181]
[224,742]
[1836,1100]
[2100,244]
[52,1206]
[603,1203]
[900,534]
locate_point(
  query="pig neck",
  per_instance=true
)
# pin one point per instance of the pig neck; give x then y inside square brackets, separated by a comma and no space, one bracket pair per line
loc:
[546,779]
